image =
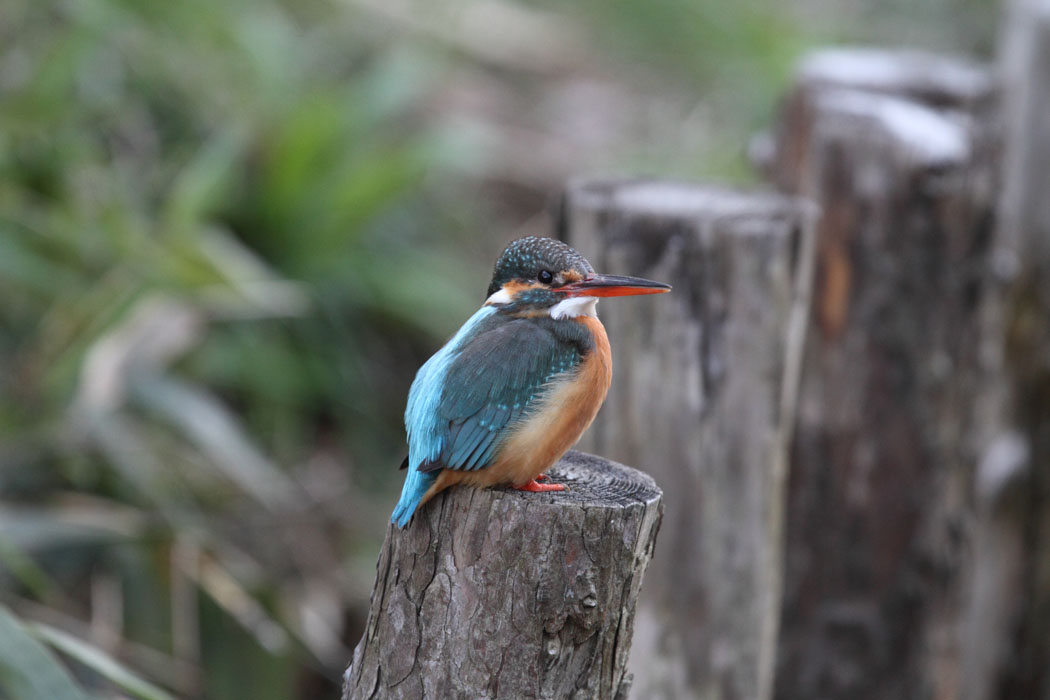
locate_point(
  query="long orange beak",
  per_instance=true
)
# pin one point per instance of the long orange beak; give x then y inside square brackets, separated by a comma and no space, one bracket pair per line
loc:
[613,286]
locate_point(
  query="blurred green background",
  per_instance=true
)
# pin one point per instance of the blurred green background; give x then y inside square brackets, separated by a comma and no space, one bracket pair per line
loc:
[230,232]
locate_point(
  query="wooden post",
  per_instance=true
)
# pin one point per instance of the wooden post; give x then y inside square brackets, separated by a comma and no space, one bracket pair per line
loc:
[995,663]
[895,149]
[1008,645]
[703,386]
[503,594]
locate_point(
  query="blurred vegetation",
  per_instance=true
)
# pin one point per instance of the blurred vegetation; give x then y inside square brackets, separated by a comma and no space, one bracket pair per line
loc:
[206,212]
[229,233]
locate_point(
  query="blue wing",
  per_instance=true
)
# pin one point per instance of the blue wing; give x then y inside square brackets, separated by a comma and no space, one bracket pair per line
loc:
[490,374]
[498,376]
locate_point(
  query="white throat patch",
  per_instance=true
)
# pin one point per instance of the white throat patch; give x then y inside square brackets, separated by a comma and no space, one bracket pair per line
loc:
[575,306]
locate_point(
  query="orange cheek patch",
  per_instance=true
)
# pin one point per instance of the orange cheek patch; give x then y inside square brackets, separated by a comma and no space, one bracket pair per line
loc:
[516,287]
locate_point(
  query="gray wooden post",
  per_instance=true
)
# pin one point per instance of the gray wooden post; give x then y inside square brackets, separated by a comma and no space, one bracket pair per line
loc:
[703,393]
[895,149]
[1007,650]
[504,594]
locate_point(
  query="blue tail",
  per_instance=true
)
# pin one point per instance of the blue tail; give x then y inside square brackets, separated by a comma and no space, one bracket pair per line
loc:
[416,484]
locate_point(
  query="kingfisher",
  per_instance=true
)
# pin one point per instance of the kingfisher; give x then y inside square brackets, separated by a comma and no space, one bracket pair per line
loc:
[520,381]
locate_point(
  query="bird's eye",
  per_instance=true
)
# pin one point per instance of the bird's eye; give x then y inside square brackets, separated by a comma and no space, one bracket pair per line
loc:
[545,276]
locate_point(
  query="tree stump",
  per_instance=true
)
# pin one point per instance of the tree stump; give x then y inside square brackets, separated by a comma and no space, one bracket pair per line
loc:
[895,148]
[703,391]
[493,593]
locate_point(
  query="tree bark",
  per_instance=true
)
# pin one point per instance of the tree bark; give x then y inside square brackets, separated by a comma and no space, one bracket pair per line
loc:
[703,391]
[493,593]
[896,150]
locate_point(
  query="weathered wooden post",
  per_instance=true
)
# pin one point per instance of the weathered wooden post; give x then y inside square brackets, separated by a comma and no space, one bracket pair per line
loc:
[1007,652]
[503,594]
[895,148]
[703,394]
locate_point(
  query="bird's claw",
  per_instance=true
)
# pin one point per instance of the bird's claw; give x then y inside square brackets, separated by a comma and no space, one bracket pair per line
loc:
[536,487]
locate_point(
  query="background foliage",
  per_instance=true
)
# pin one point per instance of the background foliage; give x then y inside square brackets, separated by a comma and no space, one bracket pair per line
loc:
[229,233]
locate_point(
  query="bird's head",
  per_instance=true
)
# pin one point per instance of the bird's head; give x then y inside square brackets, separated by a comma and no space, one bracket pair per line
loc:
[544,277]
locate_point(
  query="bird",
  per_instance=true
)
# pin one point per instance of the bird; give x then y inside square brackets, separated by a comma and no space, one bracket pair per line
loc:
[519,382]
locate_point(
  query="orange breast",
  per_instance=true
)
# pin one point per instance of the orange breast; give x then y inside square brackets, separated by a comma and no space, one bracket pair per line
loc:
[566,412]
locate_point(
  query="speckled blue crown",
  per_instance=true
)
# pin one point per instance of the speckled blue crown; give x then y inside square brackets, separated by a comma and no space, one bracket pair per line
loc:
[526,257]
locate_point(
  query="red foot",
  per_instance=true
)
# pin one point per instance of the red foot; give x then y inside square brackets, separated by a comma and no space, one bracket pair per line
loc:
[537,487]
[542,477]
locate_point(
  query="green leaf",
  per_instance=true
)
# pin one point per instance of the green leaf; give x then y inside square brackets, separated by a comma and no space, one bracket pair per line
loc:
[101,663]
[28,671]
[202,184]
[24,569]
